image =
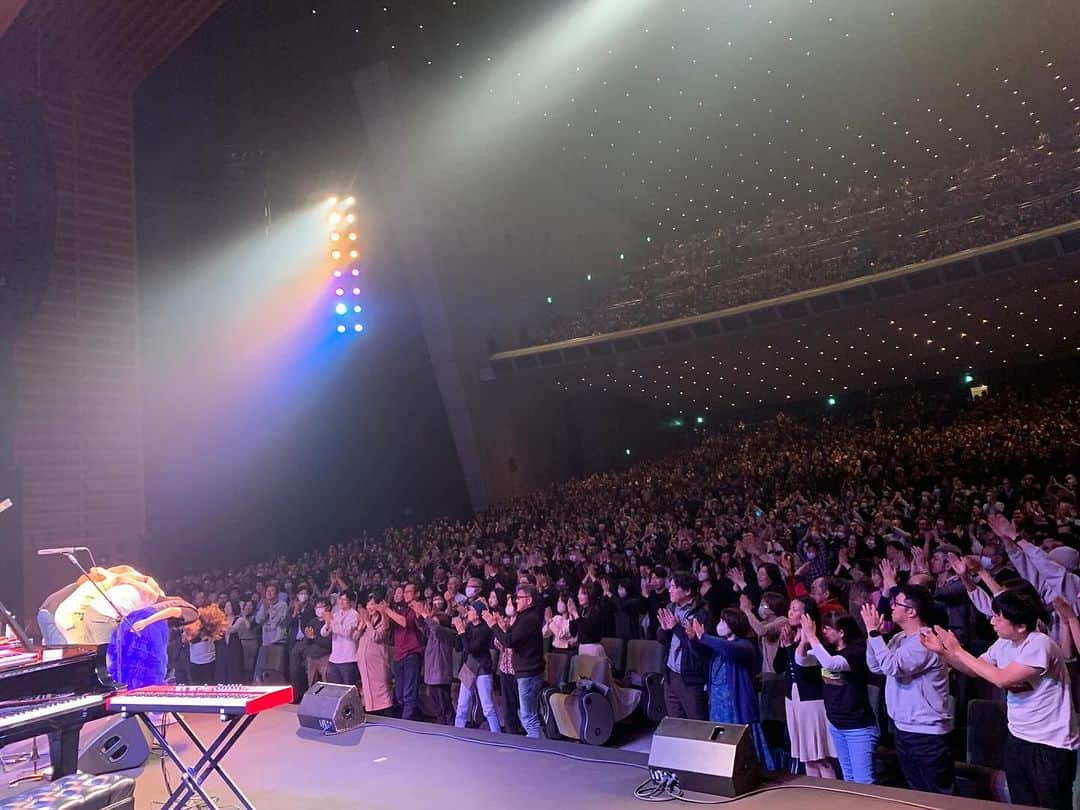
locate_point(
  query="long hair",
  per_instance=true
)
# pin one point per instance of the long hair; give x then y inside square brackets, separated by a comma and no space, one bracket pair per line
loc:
[211,625]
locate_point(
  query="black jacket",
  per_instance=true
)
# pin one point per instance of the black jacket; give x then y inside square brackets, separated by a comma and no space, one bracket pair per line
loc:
[808,679]
[526,639]
[475,643]
[693,666]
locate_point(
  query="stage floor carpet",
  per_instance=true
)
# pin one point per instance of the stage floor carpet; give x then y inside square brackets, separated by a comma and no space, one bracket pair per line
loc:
[387,762]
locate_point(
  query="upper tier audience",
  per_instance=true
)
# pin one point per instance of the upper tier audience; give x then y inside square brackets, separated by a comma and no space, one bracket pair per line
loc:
[868,229]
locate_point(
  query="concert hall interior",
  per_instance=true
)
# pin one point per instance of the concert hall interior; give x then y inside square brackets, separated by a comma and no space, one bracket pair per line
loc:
[569,402]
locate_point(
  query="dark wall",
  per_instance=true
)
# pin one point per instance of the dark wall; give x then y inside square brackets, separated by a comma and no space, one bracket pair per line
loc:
[342,440]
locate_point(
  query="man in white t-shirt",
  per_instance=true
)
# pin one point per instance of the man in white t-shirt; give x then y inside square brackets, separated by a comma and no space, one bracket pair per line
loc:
[1040,751]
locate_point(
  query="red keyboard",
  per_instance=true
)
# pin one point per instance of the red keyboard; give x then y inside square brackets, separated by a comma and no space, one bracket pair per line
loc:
[228,700]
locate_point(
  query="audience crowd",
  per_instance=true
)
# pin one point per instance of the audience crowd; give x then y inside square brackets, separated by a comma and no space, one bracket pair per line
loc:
[866,230]
[924,545]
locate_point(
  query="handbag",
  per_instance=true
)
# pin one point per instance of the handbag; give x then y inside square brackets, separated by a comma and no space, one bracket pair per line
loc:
[467,675]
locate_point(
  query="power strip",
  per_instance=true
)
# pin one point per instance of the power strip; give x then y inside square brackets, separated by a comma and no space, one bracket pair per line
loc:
[664,779]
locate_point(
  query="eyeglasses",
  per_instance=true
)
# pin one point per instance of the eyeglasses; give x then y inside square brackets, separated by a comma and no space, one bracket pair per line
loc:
[899,604]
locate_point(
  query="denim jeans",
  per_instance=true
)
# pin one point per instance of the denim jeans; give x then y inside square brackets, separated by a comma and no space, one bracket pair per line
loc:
[485,687]
[529,700]
[407,683]
[855,750]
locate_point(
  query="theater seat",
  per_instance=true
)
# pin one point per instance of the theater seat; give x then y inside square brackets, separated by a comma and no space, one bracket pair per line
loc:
[645,668]
[270,665]
[79,791]
[557,669]
[616,653]
[592,703]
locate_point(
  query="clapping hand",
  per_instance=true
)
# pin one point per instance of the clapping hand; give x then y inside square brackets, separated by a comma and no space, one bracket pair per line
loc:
[571,609]
[871,618]
[1063,609]
[491,619]
[809,631]
[939,640]
[787,635]
[666,618]
[459,625]
[694,628]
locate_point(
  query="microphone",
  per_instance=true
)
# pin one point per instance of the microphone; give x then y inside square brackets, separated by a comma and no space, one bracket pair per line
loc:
[46,552]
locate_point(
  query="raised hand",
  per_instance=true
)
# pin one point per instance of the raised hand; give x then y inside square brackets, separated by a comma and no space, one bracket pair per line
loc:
[1063,609]
[694,628]
[809,631]
[745,604]
[1002,527]
[888,574]
[958,565]
[871,618]
[919,562]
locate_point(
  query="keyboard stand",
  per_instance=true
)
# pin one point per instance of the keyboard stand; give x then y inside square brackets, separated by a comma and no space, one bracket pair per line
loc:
[191,779]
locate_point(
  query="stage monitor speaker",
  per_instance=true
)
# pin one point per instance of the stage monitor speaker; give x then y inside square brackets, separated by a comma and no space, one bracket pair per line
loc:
[117,747]
[331,708]
[717,758]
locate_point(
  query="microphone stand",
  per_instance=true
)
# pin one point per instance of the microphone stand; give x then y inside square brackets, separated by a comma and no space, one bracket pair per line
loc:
[121,617]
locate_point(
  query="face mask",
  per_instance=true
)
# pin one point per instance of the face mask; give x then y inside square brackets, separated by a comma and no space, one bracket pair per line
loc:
[702,576]
[722,629]
[319,612]
[764,612]
[509,608]
[986,562]
[811,555]
[506,560]
[573,558]
[871,543]
[622,593]
[470,591]
[301,598]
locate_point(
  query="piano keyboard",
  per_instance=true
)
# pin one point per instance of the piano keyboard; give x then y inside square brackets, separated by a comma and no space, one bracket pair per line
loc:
[49,710]
[225,699]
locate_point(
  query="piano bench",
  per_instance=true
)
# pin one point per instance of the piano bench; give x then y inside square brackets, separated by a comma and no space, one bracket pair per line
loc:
[79,791]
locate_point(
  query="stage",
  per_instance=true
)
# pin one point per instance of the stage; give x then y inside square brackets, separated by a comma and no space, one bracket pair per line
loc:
[282,767]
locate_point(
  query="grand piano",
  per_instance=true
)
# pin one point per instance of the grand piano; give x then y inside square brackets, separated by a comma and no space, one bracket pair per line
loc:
[52,691]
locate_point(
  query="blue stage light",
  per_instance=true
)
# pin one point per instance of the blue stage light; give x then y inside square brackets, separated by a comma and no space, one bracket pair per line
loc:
[341,309]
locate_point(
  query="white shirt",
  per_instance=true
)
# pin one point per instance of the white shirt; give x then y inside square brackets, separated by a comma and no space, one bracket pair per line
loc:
[342,644]
[202,652]
[1040,710]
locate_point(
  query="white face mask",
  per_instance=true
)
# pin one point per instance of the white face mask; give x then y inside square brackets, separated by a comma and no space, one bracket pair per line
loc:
[509,608]
[986,562]
[470,591]
[319,612]
[622,593]
[722,629]
[811,555]
[702,576]
[764,612]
